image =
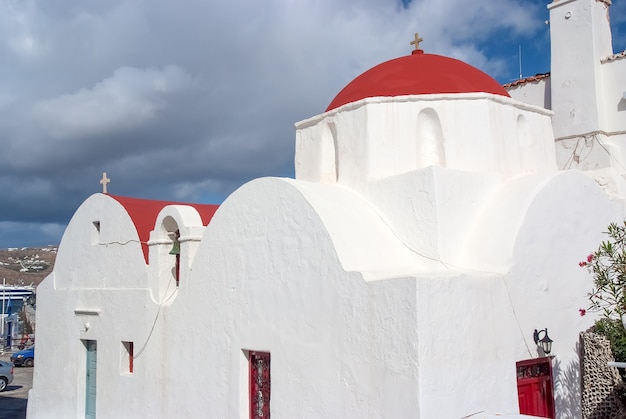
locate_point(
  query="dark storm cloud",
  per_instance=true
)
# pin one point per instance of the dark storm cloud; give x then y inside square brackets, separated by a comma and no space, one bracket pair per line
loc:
[187,100]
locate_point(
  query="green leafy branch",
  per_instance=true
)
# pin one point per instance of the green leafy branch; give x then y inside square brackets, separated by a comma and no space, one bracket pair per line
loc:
[608,267]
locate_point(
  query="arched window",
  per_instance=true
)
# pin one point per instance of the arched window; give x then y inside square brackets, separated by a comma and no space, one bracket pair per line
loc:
[430,149]
[173,245]
[329,154]
[527,146]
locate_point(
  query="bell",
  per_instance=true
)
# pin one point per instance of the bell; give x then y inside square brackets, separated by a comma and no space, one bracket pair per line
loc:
[176,248]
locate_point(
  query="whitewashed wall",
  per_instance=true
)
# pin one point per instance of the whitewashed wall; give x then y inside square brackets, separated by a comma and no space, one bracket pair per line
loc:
[376,138]
[270,275]
[537,93]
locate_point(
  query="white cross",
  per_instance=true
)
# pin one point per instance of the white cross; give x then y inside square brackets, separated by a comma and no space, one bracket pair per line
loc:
[417,41]
[104,182]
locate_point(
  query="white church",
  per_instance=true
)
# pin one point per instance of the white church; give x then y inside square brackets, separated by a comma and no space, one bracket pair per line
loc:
[436,220]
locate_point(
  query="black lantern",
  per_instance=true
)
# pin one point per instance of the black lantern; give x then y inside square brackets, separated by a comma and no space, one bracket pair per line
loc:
[545,342]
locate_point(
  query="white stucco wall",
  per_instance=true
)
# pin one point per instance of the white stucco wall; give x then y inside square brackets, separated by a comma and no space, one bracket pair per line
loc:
[422,207]
[341,346]
[84,249]
[537,93]
[285,292]
[465,337]
[101,290]
[580,37]
[270,275]
[563,224]
[375,138]
[613,91]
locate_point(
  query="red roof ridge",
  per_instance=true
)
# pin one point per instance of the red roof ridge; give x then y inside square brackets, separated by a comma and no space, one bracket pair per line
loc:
[143,213]
[613,57]
[530,79]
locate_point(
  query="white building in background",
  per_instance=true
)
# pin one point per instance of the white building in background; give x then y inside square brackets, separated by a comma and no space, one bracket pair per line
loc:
[427,234]
[586,87]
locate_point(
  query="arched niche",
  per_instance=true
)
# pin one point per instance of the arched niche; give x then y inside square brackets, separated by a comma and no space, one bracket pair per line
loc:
[170,231]
[527,145]
[430,150]
[168,225]
[173,245]
[329,156]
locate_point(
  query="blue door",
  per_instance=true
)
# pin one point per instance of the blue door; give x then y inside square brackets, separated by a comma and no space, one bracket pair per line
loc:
[90,379]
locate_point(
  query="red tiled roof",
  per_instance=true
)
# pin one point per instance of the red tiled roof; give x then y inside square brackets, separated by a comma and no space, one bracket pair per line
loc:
[613,57]
[531,79]
[143,213]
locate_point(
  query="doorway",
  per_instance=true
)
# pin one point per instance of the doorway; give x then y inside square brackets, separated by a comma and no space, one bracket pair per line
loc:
[535,389]
[90,378]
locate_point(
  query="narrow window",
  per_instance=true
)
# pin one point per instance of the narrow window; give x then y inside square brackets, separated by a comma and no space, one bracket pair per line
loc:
[329,155]
[260,385]
[430,141]
[128,357]
[95,232]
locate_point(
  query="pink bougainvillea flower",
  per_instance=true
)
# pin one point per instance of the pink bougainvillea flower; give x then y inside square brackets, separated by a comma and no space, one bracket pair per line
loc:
[590,258]
[582,311]
[581,264]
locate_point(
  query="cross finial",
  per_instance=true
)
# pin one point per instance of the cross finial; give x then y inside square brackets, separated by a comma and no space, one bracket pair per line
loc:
[417,41]
[104,182]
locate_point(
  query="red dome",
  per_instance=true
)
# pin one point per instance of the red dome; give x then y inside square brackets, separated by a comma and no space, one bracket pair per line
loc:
[417,74]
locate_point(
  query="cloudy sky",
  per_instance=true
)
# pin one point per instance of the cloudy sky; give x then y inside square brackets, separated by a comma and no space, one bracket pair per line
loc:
[186,100]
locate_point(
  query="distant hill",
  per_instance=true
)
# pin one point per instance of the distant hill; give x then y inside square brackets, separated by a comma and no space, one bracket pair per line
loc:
[26,265]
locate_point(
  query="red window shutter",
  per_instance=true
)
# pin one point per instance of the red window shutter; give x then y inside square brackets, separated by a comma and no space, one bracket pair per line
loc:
[131,356]
[260,385]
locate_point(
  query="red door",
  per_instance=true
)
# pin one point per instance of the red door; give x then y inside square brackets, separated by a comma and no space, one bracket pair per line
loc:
[534,387]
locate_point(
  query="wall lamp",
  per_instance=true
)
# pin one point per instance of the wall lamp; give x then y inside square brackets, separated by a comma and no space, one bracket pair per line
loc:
[545,342]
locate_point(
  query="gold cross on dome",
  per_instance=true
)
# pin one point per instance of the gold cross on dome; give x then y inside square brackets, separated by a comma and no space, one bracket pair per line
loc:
[417,41]
[104,182]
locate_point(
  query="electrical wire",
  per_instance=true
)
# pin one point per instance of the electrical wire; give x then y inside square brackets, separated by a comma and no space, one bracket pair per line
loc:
[156,317]
[160,304]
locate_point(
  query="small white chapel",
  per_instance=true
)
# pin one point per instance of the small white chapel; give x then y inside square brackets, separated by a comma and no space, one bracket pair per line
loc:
[436,221]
